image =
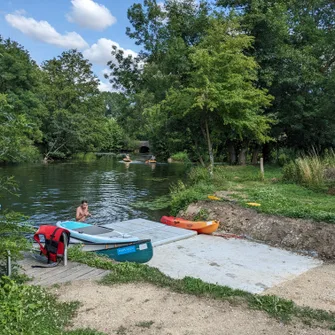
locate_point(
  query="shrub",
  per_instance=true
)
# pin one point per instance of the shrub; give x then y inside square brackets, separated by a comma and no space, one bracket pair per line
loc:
[312,170]
[31,310]
[180,157]
[181,196]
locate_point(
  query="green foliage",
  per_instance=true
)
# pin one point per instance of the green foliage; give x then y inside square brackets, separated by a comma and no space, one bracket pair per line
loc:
[13,239]
[202,215]
[182,195]
[20,107]
[244,185]
[154,205]
[12,231]
[76,119]
[86,331]
[31,310]
[312,171]
[85,157]
[133,272]
[292,46]
[180,157]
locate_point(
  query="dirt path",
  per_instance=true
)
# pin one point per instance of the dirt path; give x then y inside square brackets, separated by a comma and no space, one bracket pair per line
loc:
[145,309]
[314,288]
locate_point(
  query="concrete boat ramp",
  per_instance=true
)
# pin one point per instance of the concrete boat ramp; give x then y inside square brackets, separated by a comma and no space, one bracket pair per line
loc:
[237,263]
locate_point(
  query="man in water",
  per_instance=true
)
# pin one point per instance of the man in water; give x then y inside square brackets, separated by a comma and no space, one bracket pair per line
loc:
[82,211]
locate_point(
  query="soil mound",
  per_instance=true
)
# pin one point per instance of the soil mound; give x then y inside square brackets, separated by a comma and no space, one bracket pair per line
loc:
[305,236]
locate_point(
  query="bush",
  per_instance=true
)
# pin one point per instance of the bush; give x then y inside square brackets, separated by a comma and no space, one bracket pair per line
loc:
[181,196]
[181,157]
[283,156]
[31,310]
[312,170]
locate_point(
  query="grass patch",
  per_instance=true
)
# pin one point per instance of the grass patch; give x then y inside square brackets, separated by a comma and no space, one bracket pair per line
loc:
[279,308]
[182,195]
[31,310]
[87,331]
[274,195]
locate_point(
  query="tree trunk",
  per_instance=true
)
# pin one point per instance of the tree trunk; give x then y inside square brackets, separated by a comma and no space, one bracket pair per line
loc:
[231,153]
[255,152]
[242,156]
[198,153]
[210,150]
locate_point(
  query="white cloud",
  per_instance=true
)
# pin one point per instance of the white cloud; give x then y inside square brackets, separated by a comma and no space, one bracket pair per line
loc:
[90,14]
[43,31]
[100,52]
[20,12]
[105,87]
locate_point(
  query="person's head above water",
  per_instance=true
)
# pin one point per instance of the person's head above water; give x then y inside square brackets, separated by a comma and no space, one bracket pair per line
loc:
[84,204]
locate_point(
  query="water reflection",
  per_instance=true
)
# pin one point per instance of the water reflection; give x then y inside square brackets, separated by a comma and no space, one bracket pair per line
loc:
[52,192]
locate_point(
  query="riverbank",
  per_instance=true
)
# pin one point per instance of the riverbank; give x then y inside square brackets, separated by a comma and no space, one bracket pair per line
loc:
[268,210]
[147,309]
[304,236]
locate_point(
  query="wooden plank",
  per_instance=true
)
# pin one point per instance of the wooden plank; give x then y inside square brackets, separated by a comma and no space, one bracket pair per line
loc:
[58,274]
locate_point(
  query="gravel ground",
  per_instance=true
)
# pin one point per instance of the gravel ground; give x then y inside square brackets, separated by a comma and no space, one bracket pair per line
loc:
[314,288]
[145,309]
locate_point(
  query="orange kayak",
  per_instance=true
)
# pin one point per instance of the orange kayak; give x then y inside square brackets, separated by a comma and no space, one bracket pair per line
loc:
[202,227]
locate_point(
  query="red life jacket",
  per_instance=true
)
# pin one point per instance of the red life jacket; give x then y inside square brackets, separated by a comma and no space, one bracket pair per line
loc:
[54,241]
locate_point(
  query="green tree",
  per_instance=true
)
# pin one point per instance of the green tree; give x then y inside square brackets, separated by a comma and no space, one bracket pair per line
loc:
[221,93]
[166,34]
[294,46]
[20,107]
[76,111]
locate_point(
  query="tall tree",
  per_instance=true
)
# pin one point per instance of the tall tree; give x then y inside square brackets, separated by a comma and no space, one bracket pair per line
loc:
[294,45]
[221,93]
[20,107]
[76,112]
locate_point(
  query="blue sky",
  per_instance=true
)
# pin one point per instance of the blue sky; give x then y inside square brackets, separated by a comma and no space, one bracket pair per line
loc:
[48,27]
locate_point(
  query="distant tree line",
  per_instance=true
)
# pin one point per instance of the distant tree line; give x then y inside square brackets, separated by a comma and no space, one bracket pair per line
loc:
[221,80]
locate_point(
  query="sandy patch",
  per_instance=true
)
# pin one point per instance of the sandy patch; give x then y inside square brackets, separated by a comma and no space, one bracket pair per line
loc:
[314,288]
[145,309]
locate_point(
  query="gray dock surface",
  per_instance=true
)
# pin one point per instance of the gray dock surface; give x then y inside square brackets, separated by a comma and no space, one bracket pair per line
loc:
[239,264]
[58,274]
[159,233]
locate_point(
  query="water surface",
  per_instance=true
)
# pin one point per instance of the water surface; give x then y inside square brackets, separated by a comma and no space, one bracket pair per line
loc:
[50,193]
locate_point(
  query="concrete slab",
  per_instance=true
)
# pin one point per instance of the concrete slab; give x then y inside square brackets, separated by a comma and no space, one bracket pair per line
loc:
[158,233]
[239,264]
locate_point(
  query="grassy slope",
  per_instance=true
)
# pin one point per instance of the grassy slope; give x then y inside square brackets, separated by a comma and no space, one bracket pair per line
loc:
[275,196]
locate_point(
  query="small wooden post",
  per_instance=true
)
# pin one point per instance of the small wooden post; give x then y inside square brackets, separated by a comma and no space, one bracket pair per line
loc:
[9,264]
[262,168]
[65,249]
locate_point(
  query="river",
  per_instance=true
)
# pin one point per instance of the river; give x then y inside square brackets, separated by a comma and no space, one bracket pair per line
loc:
[51,192]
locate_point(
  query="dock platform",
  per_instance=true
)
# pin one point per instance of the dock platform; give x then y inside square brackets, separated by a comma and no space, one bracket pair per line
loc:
[159,233]
[57,274]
